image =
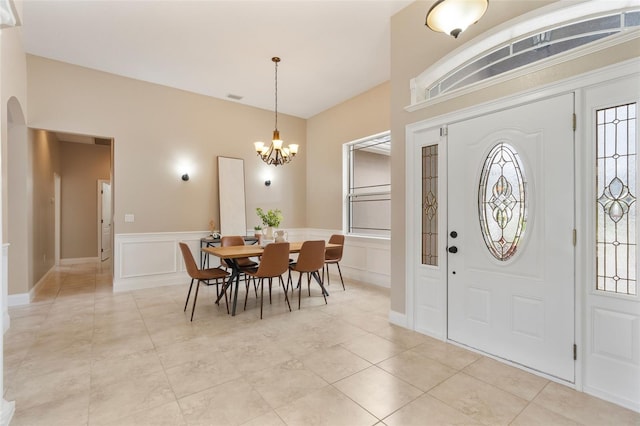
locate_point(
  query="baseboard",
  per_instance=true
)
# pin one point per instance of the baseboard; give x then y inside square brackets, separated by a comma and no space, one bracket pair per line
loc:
[397,318]
[20,299]
[368,277]
[74,261]
[615,399]
[139,283]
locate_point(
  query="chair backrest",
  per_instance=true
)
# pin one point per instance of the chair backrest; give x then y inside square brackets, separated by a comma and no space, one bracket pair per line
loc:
[189,261]
[275,260]
[311,256]
[335,253]
[235,240]
[231,240]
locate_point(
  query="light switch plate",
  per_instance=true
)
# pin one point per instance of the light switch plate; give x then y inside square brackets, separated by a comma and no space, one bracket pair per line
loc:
[129,217]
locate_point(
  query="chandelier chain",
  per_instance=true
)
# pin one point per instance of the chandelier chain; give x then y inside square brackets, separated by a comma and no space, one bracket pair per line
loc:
[276,85]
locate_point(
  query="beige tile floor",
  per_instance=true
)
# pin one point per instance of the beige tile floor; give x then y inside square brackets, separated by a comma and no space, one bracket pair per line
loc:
[82,355]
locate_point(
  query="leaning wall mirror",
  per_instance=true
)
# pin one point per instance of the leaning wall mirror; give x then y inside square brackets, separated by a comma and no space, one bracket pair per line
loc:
[233,220]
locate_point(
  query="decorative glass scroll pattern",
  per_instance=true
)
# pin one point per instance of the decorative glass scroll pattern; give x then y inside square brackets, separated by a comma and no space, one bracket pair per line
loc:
[616,203]
[502,201]
[430,205]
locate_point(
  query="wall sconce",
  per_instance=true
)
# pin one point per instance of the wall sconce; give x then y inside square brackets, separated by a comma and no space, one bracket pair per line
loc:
[267,182]
[185,177]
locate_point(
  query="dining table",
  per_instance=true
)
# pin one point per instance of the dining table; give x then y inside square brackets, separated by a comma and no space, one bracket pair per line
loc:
[232,253]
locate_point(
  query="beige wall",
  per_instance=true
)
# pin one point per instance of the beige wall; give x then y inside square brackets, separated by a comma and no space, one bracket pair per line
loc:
[155,129]
[413,49]
[13,132]
[361,116]
[81,167]
[46,162]
[13,83]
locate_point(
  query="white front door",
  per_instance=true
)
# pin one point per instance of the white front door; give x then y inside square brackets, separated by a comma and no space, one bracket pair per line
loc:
[105,220]
[510,235]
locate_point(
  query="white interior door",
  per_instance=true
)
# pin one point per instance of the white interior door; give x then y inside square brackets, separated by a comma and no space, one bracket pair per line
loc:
[515,300]
[105,220]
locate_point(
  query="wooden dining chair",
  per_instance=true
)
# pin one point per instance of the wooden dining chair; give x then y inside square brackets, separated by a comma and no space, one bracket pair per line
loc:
[310,261]
[333,255]
[203,276]
[274,263]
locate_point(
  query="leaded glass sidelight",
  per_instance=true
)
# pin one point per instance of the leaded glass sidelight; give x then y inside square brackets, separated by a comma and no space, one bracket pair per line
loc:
[616,199]
[430,205]
[502,201]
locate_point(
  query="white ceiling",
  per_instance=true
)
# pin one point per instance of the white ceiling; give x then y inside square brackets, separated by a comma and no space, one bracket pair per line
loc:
[330,50]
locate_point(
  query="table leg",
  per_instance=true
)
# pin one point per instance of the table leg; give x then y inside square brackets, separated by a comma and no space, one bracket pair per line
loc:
[317,277]
[228,284]
[235,295]
[235,275]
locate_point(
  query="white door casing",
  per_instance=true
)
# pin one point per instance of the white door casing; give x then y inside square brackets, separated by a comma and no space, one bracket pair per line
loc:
[57,216]
[104,192]
[520,309]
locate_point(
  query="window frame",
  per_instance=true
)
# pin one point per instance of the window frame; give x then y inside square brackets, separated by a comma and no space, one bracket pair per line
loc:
[347,195]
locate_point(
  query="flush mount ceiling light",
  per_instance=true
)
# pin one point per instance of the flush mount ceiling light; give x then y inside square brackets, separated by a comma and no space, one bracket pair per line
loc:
[275,153]
[454,16]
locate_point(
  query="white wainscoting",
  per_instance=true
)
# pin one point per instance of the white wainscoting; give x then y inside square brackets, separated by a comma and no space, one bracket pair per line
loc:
[154,259]
[364,259]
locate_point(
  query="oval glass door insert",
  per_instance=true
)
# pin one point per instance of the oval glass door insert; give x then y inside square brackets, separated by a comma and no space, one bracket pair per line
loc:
[502,201]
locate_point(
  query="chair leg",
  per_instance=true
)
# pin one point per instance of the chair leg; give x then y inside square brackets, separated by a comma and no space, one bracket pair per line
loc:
[261,295]
[246,295]
[340,272]
[195,299]
[322,289]
[255,286]
[285,292]
[188,295]
[328,276]
[290,281]
[299,289]
[309,283]
[270,281]
[226,302]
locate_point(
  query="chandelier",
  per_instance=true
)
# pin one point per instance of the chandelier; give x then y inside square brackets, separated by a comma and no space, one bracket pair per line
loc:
[275,153]
[454,16]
